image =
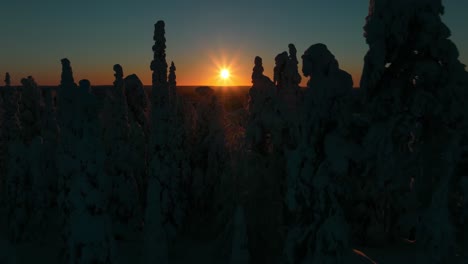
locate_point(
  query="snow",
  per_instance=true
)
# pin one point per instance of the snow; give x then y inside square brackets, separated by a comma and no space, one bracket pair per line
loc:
[322,174]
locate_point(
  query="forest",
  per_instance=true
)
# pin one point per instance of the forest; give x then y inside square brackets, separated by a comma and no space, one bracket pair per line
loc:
[322,174]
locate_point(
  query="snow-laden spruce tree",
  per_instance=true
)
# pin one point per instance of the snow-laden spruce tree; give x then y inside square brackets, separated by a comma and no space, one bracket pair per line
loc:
[209,159]
[2,149]
[36,183]
[172,82]
[262,105]
[7,79]
[289,93]
[182,141]
[318,165]
[15,166]
[124,200]
[31,108]
[84,186]
[279,75]
[234,183]
[286,72]
[137,103]
[415,90]
[50,133]
[159,194]
[265,166]
[293,78]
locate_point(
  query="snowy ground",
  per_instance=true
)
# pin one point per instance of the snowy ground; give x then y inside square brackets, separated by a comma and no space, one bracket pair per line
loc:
[187,249]
[203,247]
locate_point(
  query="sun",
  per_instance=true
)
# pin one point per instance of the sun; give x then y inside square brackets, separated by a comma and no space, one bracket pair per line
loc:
[224,70]
[224,74]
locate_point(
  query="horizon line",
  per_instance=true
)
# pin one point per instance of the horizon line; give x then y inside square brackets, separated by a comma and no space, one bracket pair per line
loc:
[146,85]
[188,85]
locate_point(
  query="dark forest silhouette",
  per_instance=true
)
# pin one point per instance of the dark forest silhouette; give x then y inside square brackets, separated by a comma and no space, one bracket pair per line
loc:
[324,174]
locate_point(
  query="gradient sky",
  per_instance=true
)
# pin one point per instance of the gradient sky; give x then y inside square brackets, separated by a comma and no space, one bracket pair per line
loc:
[201,36]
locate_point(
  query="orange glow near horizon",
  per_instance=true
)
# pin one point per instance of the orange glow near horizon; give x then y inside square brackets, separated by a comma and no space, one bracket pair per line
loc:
[105,79]
[184,78]
[189,73]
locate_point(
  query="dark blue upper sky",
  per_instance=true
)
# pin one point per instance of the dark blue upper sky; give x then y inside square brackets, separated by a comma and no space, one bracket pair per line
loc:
[201,36]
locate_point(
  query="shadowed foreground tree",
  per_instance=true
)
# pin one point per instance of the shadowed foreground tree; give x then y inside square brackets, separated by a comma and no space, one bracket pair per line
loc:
[160,169]
[84,186]
[209,153]
[319,164]
[137,103]
[416,91]
[36,183]
[2,153]
[50,133]
[264,169]
[172,82]
[3,143]
[288,85]
[14,165]
[181,142]
[31,107]
[262,114]
[124,209]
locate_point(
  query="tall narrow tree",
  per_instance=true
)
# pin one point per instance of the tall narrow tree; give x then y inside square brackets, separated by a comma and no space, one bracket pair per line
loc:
[84,184]
[158,194]
[124,198]
[15,164]
[138,104]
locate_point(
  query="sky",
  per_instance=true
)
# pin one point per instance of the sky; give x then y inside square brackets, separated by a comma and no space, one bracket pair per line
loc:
[202,36]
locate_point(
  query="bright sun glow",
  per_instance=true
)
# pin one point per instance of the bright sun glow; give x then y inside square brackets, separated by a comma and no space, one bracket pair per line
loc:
[224,74]
[225,70]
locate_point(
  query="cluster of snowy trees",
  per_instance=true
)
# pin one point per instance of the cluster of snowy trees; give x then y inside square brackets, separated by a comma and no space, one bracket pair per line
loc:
[298,176]
[373,169]
[112,169]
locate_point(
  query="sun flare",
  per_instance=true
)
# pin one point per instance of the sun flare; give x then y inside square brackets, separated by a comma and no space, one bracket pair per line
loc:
[224,74]
[225,68]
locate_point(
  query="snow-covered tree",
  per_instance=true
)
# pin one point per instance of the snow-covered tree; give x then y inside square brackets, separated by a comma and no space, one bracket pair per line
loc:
[15,165]
[182,139]
[286,73]
[415,90]
[50,133]
[124,199]
[83,183]
[279,72]
[30,114]
[262,115]
[289,96]
[209,149]
[7,79]
[172,82]
[265,168]
[159,207]
[317,167]
[2,152]
[168,159]
[137,103]
[31,108]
